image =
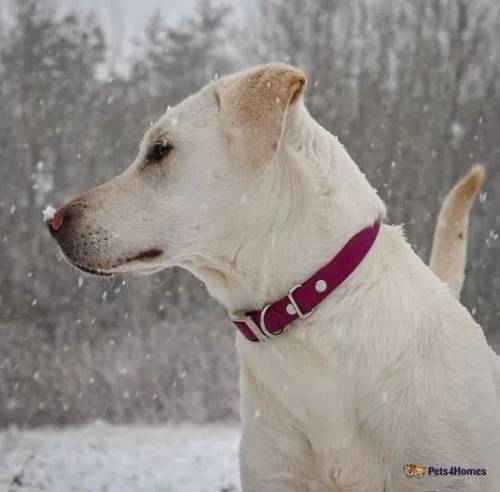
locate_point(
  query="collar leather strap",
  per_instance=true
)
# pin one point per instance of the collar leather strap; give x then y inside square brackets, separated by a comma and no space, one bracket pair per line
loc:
[273,320]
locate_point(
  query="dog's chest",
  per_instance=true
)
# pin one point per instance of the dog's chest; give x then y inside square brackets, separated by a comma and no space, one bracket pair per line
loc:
[299,380]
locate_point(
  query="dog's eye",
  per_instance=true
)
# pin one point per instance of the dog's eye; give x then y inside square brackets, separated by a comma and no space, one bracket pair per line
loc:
[158,152]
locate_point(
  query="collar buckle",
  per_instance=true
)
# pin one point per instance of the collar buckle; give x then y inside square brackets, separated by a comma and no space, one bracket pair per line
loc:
[294,304]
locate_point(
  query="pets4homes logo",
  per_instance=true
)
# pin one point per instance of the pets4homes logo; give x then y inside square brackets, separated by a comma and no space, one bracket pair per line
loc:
[419,471]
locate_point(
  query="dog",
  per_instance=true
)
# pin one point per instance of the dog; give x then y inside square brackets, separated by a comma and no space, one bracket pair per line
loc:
[242,187]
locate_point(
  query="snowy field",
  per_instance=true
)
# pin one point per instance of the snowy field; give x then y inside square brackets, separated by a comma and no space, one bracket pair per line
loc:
[105,458]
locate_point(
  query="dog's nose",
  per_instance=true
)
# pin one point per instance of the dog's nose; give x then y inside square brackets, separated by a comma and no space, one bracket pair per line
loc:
[56,222]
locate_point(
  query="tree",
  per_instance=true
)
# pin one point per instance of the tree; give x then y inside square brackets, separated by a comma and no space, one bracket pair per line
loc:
[179,60]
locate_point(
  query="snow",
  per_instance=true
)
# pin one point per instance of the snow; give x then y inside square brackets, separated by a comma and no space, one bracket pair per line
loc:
[106,458]
[48,213]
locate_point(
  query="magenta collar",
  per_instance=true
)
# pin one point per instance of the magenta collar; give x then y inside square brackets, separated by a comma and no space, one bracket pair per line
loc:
[273,320]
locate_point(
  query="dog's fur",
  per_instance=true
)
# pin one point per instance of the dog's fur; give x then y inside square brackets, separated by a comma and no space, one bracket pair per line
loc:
[254,198]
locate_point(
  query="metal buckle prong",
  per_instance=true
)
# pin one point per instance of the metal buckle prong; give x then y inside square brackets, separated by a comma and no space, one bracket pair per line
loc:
[295,305]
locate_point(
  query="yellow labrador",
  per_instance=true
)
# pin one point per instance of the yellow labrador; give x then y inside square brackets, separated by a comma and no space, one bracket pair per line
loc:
[349,378]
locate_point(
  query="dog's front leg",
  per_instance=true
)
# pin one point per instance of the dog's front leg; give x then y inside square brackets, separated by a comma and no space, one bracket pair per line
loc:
[271,461]
[274,455]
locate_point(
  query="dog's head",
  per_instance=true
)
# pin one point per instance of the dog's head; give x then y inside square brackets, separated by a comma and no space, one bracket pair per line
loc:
[214,175]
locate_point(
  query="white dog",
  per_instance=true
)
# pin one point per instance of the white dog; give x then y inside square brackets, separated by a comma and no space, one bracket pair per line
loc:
[367,372]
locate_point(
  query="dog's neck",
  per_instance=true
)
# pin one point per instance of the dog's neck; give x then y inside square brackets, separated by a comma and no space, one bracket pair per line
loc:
[305,206]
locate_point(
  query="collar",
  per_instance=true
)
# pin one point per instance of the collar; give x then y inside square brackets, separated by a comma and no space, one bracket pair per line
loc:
[273,320]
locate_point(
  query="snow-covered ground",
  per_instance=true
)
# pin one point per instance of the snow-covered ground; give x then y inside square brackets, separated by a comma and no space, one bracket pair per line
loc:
[105,458]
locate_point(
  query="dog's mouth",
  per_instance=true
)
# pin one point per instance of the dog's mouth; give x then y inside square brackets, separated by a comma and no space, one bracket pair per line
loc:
[139,262]
[91,271]
[149,254]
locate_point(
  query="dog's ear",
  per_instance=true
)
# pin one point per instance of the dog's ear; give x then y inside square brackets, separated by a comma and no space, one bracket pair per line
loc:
[253,108]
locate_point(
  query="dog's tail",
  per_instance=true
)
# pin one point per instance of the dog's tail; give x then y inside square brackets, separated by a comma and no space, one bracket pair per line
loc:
[449,249]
